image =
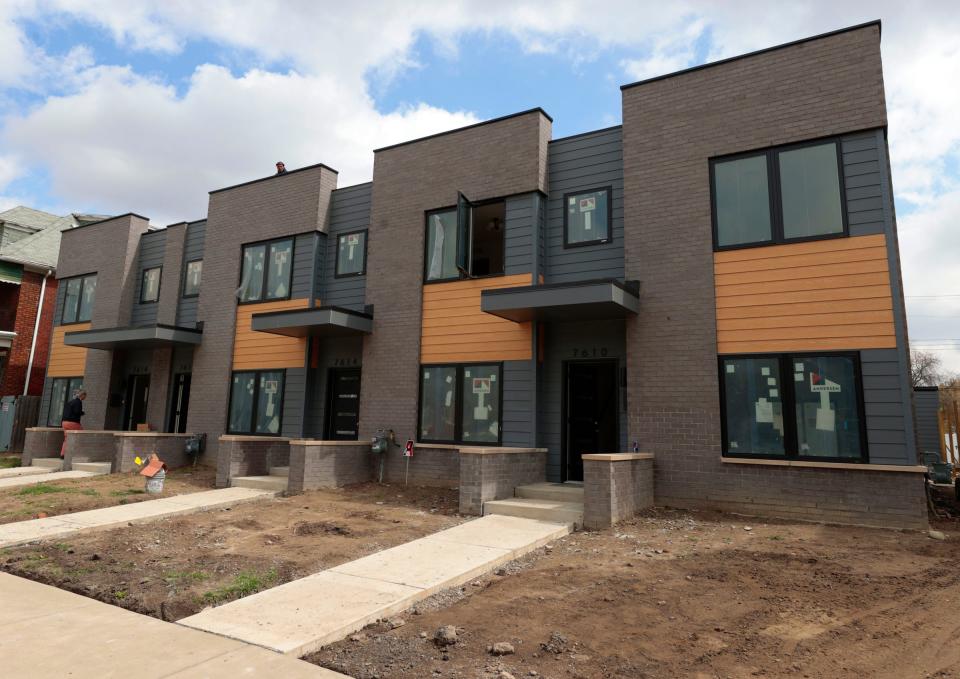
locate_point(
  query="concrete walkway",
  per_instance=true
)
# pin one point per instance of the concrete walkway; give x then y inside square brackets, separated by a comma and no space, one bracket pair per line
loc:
[45,476]
[302,616]
[48,632]
[22,532]
[11,472]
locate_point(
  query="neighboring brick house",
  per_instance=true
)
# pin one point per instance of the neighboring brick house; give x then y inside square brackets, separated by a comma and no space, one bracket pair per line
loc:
[715,282]
[29,246]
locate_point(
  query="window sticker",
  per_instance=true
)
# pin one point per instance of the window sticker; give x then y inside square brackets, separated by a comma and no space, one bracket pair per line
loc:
[764,411]
[588,204]
[774,393]
[798,377]
[280,257]
[771,381]
[448,400]
[826,419]
[798,367]
[270,387]
[734,445]
[481,413]
[481,385]
[764,371]
[731,368]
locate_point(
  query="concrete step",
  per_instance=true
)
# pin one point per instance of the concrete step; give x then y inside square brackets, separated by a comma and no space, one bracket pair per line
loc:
[539,510]
[92,467]
[16,472]
[280,471]
[561,492]
[274,483]
[55,463]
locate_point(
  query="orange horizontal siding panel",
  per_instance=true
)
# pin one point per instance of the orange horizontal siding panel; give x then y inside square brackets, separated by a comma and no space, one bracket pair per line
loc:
[65,361]
[262,350]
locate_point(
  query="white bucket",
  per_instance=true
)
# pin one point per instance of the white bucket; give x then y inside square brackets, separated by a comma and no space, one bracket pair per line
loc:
[155,484]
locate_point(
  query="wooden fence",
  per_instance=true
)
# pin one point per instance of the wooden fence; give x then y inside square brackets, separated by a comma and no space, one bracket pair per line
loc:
[28,410]
[949,416]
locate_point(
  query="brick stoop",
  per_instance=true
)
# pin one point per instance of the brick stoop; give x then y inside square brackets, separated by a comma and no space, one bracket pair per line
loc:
[277,480]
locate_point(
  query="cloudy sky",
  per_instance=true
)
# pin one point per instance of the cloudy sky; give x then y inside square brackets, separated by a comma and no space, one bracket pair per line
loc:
[127,105]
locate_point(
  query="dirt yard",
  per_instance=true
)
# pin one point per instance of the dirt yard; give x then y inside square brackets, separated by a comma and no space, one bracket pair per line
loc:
[676,594]
[175,567]
[49,498]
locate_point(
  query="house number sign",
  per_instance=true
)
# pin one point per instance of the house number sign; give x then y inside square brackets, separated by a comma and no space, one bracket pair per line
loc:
[595,352]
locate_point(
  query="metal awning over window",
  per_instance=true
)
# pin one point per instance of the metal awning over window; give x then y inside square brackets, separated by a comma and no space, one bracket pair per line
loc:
[145,337]
[584,300]
[11,273]
[325,321]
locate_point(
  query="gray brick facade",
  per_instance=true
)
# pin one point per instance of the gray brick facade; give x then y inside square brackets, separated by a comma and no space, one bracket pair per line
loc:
[495,474]
[615,487]
[328,464]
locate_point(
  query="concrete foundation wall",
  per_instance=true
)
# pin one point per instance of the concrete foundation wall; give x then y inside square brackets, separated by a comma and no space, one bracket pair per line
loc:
[615,487]
[491,474]
[249,456]
[168,447]
[89,446]
[328,464]
[430,466]
[41,442]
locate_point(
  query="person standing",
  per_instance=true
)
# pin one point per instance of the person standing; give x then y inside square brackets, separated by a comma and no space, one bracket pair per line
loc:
[72,413]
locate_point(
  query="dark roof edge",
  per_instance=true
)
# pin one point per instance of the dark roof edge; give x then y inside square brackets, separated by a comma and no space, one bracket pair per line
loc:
[108,219]
[353,186]
[875,22]
[588,132]
[926,388]
[536,109]
[275,176]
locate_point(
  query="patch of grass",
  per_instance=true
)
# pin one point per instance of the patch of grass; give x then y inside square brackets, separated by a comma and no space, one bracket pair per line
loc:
[62,546]
[775,537]
[9,462]
[42,489]
[120,594]
[243,584]
[91,492]
[177,577]
[127,491]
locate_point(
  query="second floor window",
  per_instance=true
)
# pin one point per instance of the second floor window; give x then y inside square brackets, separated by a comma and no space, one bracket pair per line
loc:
[78,298]
[191,278]
[587,218]
[352,254]
[267,270]
[150,285]
[466,241]
[777,196]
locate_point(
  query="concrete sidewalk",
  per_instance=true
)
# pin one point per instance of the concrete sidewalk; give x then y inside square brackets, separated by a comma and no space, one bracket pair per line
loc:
[47,475]
[11,472]
[49,633]
[304,615]
[22,532]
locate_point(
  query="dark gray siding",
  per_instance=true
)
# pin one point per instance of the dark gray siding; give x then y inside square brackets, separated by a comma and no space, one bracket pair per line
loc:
[883,401]
[927,404]
[521,222]
[58,305]
[294,391]
[45,406]
[559,343]
[862,178]
[349,211]
[152,246]
[301,285]
[344,352]
[518,386]
[581,163]
[192,250]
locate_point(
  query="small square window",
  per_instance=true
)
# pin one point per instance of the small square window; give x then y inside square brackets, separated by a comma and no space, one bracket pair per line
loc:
[352,254]
[191,278]
[150,287]
[587,217]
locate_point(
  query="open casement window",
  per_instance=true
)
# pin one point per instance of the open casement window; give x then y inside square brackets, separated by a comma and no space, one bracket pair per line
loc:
[466,241]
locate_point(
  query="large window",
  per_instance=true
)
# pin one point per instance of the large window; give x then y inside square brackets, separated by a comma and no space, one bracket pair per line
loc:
[793,406]
[351,254]
[78,298]
[191,278]
[62,389]
[466,241]
[587,218]
[256,402]
[266,271]
[460,404]
[150,285]
[777,196]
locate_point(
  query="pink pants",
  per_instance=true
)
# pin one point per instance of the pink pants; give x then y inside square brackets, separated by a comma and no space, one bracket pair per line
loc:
[68,426]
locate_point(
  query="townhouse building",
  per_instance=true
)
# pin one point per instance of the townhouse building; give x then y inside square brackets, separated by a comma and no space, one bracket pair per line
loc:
[708,294]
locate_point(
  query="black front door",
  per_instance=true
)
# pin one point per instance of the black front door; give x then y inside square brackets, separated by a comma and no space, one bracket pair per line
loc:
[180,400]
[343,405]
[135,407]
[590,412]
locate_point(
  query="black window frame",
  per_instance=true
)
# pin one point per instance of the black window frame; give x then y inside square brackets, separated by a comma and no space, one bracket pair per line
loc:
[186,267]
[458,404]
[462,204]
[76,312]
[566,216]
[266,269]
[143,276]
[774,198]
[336,266]
[66,399]
[256,399]
[788,399]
